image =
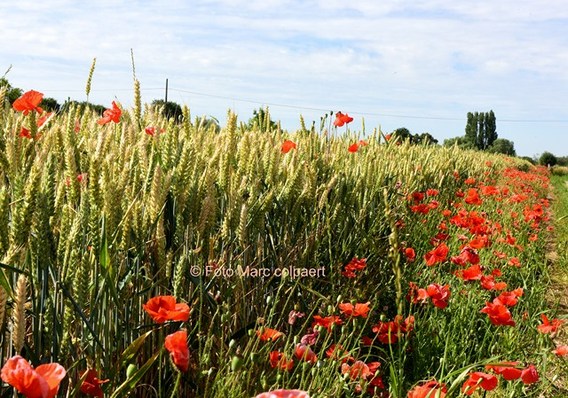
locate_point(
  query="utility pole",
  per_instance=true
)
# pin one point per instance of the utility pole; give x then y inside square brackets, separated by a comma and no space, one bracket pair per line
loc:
[166,100]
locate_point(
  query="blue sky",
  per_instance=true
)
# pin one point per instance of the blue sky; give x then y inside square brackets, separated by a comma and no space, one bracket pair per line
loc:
[416,64]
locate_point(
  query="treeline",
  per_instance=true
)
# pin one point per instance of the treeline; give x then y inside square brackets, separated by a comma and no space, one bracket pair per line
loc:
[481,134]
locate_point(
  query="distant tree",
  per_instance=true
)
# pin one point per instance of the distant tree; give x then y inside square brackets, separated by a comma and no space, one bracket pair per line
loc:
[480,139]
[12,93]
[261,120]
[490,129]
[471,128]
[424,139]
[97,108]
[562,160]
[402,134]
[208,124]
[504,146]
[528,159]
[50,104]
[462,142]
[481,129]
[547,159]
[169,109]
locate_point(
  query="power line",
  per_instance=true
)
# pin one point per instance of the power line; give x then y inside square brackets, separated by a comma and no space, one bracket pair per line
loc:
[103,89]
[311,108]
[402,116]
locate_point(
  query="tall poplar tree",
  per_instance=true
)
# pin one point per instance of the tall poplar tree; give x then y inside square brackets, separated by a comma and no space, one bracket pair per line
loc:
[480,129]
[490,129]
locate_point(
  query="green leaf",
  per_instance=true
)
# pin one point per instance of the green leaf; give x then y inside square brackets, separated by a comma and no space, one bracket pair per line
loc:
[104,259]
[106,265]
[129,385]
[4,281]
[131,351]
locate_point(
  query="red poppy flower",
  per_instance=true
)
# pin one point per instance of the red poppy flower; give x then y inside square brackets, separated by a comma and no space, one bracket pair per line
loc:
[472,273]
[498,314]
[421,208]
[305,353]
[467,255]
[472,197]
[561,350]
[515,262]
[310,338]
[508,370]
[327,321]
[359,309]
[81,178]
[433,205]
[341,119]
[439,294]
[489,190]
[278,360]
[92,384]
[41,382]
[293,315]
[430,389]
[354,265]
[287,146]
[41,121]
[437,255]
[499,254]
[267,334]
[479,379]
[165,308]
[416,196]
[549,327]
[511,240]
[284,394]
[25,133]
[359,370]
[150,130]
[479,242]
[488,283]
[387,332]
[28,102]
[111,115]
[529,375]
[410,254]
[176,344]
[508,299]
[417,295]
[353,148]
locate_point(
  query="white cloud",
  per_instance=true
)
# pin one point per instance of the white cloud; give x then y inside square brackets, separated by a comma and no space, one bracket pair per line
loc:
[432,57]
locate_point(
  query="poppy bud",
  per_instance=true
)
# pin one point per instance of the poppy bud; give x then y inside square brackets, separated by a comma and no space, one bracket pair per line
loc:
[236,363]
[130,370]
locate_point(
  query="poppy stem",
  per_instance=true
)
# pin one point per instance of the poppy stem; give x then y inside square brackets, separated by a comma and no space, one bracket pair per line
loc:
[176,385]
